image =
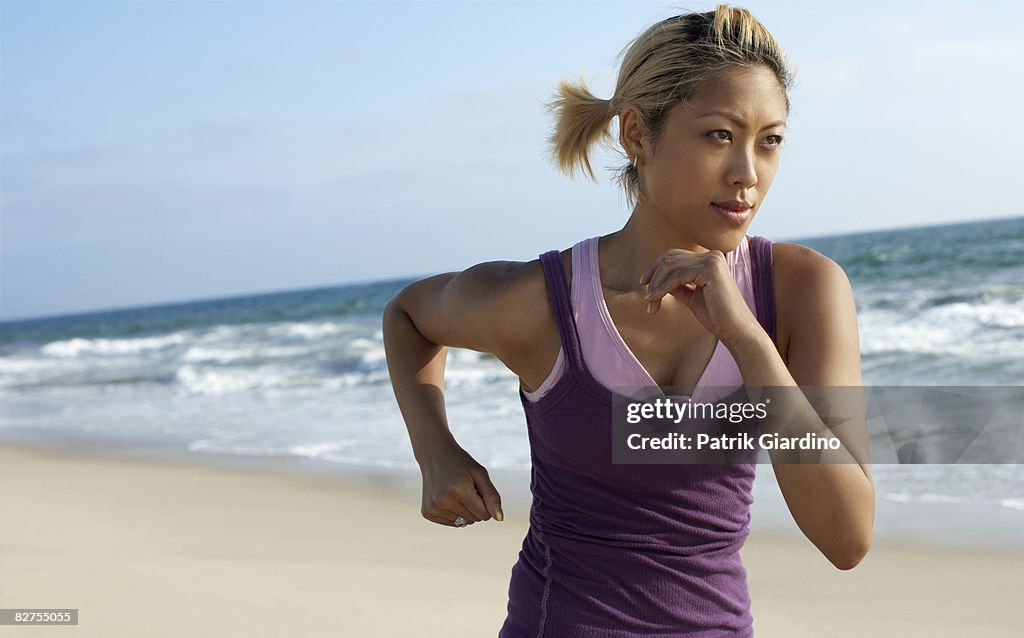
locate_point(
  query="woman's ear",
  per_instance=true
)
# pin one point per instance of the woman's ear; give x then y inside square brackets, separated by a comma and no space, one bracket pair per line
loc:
[631,135]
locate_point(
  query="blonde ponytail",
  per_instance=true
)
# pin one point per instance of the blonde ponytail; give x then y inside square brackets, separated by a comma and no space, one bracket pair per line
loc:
[581,119]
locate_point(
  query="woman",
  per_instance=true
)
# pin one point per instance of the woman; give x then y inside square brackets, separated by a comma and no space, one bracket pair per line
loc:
[670,299]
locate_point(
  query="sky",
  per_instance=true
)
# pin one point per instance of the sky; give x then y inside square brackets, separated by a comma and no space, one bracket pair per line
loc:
[155,152]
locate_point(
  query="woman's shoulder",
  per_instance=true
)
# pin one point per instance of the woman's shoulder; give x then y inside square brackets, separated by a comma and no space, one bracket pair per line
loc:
[517,281]
[506,280]
[513,297]
[799,265]
[806,284]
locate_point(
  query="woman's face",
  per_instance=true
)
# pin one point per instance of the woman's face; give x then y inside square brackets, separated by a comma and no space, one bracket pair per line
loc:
[717,155]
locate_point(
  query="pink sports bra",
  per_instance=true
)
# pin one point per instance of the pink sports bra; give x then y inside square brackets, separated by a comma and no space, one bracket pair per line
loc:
[608,357]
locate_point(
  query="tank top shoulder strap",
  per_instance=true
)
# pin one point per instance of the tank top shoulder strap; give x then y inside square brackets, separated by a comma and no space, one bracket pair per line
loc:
[558,292]
[764,283]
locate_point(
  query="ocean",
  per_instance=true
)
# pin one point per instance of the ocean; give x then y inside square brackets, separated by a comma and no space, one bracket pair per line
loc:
[302,374]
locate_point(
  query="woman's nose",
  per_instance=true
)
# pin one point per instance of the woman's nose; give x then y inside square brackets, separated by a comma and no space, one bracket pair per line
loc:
[743,169]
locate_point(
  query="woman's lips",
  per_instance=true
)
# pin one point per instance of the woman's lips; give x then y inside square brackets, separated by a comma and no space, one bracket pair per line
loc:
[734,215]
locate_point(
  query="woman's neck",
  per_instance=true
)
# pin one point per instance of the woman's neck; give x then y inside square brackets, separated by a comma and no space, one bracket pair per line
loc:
[626,253]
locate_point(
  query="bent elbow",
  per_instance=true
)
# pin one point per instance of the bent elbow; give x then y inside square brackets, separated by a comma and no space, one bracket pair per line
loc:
[395,309]
[850,555]
[391,311]
[846,563]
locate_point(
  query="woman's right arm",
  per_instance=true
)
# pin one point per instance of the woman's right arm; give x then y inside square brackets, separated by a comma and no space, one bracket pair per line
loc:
[486,308]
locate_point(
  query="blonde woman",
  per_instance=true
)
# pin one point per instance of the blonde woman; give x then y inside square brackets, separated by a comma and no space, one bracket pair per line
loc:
[679,296]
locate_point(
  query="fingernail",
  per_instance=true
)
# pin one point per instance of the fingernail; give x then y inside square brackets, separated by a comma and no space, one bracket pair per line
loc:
[498,515]
[650,307]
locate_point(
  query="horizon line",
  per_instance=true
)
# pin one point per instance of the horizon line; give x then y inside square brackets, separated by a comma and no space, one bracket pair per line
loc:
[370,282]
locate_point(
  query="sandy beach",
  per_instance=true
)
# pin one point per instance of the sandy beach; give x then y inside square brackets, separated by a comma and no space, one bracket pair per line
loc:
[165,548]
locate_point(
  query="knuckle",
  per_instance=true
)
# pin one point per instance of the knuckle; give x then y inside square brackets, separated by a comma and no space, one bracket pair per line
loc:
[451,495]
[448,504]
[442,501]
[452,489]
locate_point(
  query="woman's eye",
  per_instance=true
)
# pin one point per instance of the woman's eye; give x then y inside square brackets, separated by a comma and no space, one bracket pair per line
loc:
[774,141]
[720,136]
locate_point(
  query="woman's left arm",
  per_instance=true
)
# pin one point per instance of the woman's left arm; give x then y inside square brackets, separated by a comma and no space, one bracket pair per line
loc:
[832,503]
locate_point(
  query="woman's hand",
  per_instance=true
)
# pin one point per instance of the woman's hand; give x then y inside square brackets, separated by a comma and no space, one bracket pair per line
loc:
[455,485]
[704,283]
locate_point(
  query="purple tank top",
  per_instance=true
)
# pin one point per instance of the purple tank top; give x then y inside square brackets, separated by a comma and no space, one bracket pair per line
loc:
[626,551]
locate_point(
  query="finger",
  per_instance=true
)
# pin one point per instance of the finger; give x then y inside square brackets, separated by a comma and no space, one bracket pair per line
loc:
[685,294]
[462,500]
[665,263]
[475,503]
[646,275]
[655,271]
[446,519]
[439,519]
[439,516]
[681,276]
[448,516]
[661,274]
[469,513]
[657,274]
[489,494]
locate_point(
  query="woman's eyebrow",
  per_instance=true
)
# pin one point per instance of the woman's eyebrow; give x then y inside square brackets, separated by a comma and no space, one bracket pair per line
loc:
[737,119]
